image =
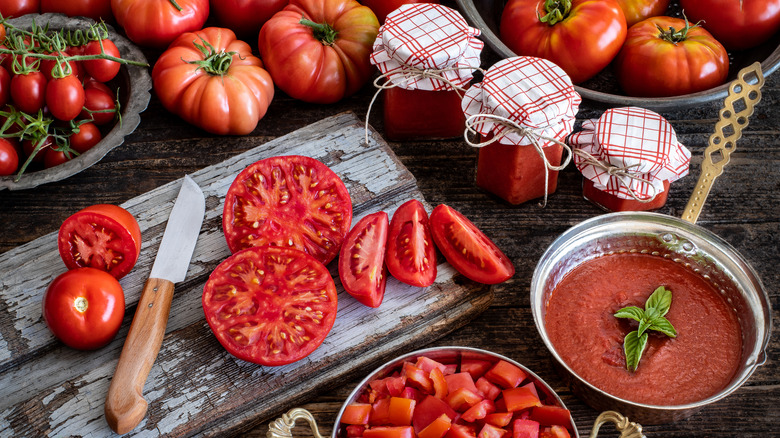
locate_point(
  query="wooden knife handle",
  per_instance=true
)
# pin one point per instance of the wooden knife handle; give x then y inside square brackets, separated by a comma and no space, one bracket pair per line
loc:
[125,404]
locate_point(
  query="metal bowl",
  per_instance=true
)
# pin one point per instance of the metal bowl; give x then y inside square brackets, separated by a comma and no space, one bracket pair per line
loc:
[486,16]
[133,83]
[665,236]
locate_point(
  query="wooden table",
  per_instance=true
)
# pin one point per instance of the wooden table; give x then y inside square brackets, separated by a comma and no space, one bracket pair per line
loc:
[743,208]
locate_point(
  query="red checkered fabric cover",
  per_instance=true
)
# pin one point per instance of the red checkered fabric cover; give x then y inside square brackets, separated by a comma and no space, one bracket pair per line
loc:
[428,37]
[639,142]
[532,92]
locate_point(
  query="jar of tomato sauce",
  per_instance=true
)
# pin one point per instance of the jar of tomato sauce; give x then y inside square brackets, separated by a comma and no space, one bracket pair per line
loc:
[426,54]
[628,158]
[521,113]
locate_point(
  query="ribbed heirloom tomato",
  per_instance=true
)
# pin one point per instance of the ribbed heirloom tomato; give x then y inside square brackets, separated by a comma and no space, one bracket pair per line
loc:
[317,50]
[245,17]
[638,10]
[212,80]
[155,23]
[737,24]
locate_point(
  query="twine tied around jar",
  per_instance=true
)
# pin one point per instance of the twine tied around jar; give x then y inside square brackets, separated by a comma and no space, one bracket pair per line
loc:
[526,131]
[620,173]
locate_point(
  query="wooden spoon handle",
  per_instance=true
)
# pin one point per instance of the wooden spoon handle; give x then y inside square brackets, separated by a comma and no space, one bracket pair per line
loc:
[125,405]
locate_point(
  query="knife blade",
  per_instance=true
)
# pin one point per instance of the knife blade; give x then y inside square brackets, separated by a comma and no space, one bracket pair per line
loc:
[125,405]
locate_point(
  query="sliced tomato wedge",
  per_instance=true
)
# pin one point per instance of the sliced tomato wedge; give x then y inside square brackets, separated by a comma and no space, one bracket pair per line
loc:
[362,259]
[101,236]
[288,201]
[411,255]
[467,248]
[270,305]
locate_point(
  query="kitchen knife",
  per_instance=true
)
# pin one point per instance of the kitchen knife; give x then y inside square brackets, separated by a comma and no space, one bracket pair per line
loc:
[125,406]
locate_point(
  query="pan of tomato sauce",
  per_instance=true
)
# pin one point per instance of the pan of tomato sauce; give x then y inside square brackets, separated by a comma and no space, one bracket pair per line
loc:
[719,309]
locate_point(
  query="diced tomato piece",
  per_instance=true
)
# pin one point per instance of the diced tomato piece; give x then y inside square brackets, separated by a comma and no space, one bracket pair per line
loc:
[462,399]
[460,380]
[427,364]
[479,411]
[380,412]
[417,378]
[389,432]
[450,368]
[395,385]
[461,431]
[429,409]
[505,375]
[499,419]
[549,415]
[524,428]
[401,410]
[532,388]
[437,428]
[490,431]
[475,367]
[517,399]
[487,389]
[355,430]
[412,393]
[555,432]
[440,387]
[356,413]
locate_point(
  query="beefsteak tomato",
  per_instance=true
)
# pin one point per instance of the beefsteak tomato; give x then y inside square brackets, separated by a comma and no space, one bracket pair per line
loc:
[17,8]
[318,50]
[362,260]
[245,17]
[467,248]
[155,23]
[638,10]
[289,201]
[212,80]
[737,24]
[84,308]
[581,36]
[270,305]
[667,56]
[411,254]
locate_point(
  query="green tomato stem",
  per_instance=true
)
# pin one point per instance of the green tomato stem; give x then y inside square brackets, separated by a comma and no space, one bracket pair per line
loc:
[557,11]
[323,32]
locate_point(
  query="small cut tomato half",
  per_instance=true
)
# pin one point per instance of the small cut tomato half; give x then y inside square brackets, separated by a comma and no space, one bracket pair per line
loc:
[270,305]
[411,256]
[102,236]
[288,201]
[362,260]
[467,248]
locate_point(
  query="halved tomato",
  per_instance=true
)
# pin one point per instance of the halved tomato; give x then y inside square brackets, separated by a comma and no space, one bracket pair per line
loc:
[270,305]
[362,259]
[102,236]
[411,256]
[467,248]
[288,201]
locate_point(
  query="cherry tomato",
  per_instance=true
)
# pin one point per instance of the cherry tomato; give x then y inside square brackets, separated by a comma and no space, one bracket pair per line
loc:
[102,236]
[467,248]
[102,70]
[29,145]
[155,23]
[5,86]
[28,91]
[270,305]
[290,201]
[84,308]
[245,17]
[9,157]
[55,157]
[65,97]
[666,56]
[94,9]
[411,255]
[383,7]
[638,10]
[362,259]
[99,105]
[88,135]
[47,65]
[17,8]
[737,24]
[581,36]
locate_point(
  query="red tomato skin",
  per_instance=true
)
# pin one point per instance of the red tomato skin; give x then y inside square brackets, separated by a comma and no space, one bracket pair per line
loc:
[94,9]
[102,70]
[737,24]
[305,68]
[410,254]
[97,325]
[97,100]
[582,44]
[88,136]
[245,17]
[28,91]
[228,104]
[17,8]
[638,10]
[5,86]
[52,157]
[383,7]
[47,66]
[649,66]
[65,97]
[362,257]
[9,157]
[28,147]
[156,23]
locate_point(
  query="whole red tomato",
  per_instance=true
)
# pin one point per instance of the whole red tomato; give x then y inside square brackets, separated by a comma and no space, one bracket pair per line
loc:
[94,9]
[84,308]
[212,80]
[65,97]
[637,10]
[666,56]
[581,36]
[17,8]
[383,7]
[245,17]
[317,50]
[87,136]
[155,23]
[102,70]
[737,24]
[9,157]
[99,106]
[28,91]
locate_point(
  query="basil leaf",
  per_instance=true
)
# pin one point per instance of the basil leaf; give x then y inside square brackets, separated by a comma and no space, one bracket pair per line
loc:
[660,300]
[663,325]
[644,324]
[632,312]
[633,347]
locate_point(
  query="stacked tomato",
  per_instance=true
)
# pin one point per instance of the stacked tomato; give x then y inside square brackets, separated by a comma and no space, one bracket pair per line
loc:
[54,96]
[473,398]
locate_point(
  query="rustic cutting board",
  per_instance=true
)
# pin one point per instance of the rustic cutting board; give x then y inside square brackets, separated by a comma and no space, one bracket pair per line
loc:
[195,386]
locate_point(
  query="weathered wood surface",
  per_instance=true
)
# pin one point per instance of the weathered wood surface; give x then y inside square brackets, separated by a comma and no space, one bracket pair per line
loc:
[195,385]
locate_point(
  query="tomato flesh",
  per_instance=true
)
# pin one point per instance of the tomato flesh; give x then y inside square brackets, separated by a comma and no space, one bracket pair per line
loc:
[270,305]
[362,259]
[411,256]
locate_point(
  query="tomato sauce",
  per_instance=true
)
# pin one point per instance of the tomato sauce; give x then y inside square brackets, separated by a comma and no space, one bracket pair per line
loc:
[697,364]
[612,202]
[422,114]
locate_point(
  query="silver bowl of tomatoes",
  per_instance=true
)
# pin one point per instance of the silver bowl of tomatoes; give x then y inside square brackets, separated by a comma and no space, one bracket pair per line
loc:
[116,95]
[605,86]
